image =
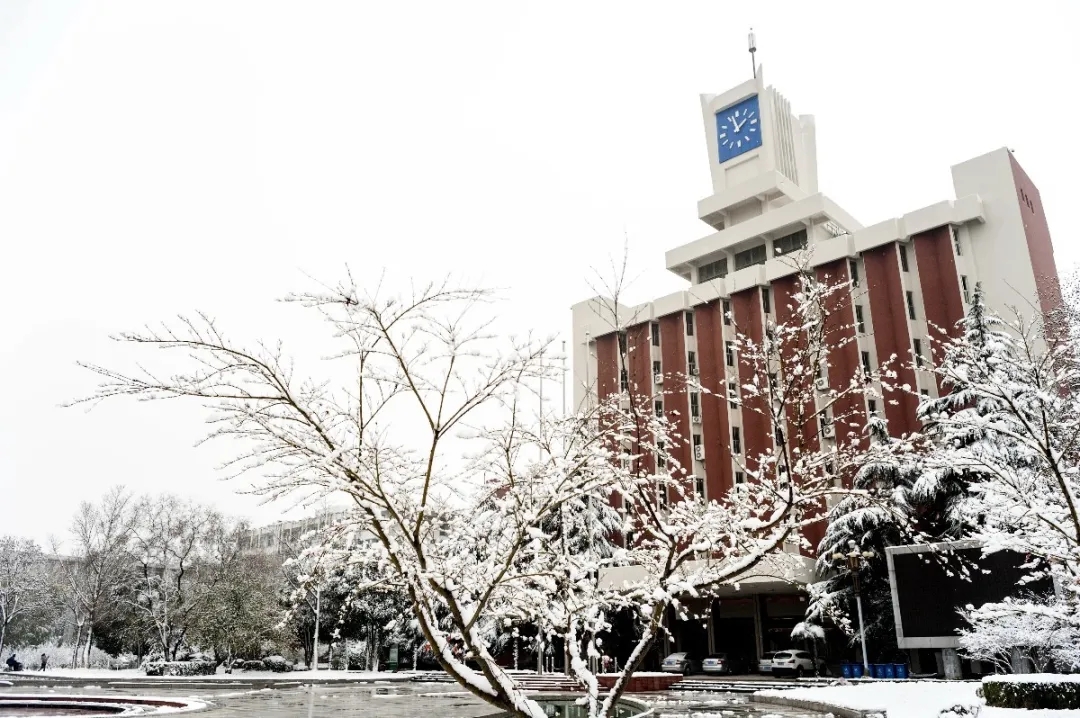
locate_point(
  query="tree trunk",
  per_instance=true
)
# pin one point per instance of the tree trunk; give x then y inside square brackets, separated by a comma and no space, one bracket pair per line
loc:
[75,646]
[3,634]
[89,641]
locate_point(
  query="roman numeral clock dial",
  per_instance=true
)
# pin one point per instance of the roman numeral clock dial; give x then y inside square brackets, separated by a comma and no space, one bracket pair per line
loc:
[738,129]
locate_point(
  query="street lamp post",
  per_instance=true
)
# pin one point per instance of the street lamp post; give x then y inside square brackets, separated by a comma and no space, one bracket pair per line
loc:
[854,562]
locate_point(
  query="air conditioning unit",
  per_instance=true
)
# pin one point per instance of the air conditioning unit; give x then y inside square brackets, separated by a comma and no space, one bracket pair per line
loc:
[822,384]
[695,418]
[658,378]
[693,371]
[699,452]
[828,431]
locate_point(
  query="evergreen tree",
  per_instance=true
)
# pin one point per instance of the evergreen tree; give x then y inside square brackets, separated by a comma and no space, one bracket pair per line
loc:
[955,420]
[867,523]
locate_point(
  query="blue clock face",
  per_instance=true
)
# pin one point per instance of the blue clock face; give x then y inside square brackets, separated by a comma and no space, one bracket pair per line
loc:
[738,129]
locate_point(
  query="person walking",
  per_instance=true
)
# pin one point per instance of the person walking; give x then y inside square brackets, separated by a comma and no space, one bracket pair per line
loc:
[44,660]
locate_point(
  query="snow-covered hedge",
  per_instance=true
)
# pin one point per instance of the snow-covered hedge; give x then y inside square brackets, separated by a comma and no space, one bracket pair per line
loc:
[181,668]
[277,664]
[61,656]
[252,665]
[1036,690]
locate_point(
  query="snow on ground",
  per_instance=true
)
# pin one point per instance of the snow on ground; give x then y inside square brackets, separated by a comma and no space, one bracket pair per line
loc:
[105,674]
[910,699]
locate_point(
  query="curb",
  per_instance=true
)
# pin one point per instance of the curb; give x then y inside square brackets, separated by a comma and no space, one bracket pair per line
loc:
[818,707]
[204,681]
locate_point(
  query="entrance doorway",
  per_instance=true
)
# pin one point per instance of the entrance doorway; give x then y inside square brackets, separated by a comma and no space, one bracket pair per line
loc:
[737,638]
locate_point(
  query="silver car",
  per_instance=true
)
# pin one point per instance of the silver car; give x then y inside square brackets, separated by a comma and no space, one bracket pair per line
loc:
[765,662]
[683,663]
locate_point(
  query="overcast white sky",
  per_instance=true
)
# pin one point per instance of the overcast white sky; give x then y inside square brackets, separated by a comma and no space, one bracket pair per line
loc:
[157,158]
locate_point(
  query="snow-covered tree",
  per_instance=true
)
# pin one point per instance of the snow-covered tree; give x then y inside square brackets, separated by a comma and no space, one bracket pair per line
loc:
[240,614]
[1017,631]
[25,588]
[177,548]
[868,523]
[457,485]
[1014,426]
[96,567]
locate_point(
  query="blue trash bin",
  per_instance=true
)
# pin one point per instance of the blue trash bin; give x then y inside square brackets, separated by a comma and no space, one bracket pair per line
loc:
[856,670]
[901,670]
[847,670]
[889,670]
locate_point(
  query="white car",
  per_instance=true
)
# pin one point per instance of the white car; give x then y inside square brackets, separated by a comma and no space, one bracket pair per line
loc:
[796,663]
[765,663]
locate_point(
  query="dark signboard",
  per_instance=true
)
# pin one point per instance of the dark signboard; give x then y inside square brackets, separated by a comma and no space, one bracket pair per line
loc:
[928,587]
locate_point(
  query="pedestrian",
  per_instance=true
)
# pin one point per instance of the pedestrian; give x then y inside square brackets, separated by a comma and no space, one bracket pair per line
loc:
[13,664]
[44,660]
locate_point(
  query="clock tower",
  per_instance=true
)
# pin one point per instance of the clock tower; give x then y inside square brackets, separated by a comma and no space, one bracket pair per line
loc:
[756,147]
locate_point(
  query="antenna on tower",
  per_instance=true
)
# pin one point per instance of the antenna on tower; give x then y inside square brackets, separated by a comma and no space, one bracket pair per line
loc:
[753,48]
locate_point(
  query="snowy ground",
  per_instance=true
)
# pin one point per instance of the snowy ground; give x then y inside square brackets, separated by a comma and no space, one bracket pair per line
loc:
[240,676]
[910,699]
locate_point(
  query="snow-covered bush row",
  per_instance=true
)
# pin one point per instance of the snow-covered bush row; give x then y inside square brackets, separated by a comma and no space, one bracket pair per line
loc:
[181,668]
[277,664]
[1032,691]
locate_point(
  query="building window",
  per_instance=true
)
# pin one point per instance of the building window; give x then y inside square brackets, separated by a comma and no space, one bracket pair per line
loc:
[622,343]
[860,322]
[656,369]
[727,312]
[917,344]
[740,477]
[750,257]
[712,270]
[691,363]
[699,486]
[910,304]
[790,243]
[766,300]
[661,457]
[656,334]
[964,289]
[733,395]
[696,443]
[866,363]
[658,407]
[689,324]
[729,353]
[778,436]
[956,240]
[903,258]
[624,381]
[695,408]
[872,407]
[736,440]
[853,268]
[924,392]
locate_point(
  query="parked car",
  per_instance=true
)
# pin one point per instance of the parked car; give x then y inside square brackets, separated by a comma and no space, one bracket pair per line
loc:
[765,662]
[721,663]
[796,663]
[684,663]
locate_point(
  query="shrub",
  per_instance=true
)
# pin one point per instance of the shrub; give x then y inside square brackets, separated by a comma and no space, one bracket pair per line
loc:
[181,668]
[253,665]
[277,664]
[1032,691]
[60,657]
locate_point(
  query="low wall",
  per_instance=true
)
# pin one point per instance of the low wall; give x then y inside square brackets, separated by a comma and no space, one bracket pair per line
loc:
[643,683]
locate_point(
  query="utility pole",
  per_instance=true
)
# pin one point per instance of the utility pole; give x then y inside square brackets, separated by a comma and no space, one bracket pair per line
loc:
[854,561]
